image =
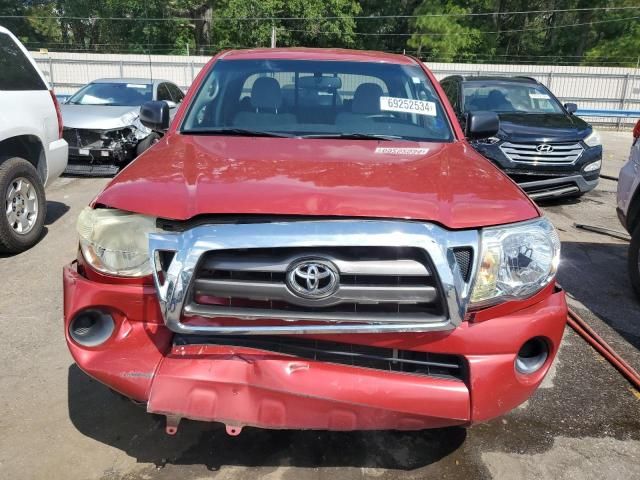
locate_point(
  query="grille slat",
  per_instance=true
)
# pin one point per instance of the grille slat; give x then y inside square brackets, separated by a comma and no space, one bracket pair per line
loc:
[560,154]
[345,294]
[279,263]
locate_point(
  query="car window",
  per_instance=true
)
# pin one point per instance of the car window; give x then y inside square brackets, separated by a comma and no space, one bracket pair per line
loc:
[163,92]
[112,94]
[509,97]
[306,98]
[176,93]
[17,71]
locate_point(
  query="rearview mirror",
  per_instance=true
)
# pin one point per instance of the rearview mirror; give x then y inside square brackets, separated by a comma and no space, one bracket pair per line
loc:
[155,115]
[481,125]
[571,108]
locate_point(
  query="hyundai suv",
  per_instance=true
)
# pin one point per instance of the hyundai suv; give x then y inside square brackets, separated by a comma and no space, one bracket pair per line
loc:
[541,144]
[315,245]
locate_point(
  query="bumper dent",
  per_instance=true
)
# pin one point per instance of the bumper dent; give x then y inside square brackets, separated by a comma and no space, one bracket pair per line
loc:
[243,387]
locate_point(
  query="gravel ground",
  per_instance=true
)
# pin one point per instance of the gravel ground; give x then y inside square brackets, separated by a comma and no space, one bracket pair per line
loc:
[583,423]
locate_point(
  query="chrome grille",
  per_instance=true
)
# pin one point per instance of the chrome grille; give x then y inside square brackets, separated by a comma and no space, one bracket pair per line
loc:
[390,284]
[395,276]
[551,154]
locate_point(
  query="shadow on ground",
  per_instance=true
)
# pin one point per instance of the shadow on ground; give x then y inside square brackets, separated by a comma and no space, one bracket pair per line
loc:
[100,414]
[55,211]
[596,275]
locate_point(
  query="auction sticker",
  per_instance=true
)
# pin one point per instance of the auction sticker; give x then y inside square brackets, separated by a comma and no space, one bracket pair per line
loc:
[407,105]
[539,96]
[402,150]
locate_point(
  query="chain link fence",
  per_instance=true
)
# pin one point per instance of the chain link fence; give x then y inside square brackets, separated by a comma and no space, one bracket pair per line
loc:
[609,91]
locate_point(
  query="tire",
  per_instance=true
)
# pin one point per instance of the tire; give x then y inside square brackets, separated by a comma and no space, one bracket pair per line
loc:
[18,172]
[146,143]
[634,260]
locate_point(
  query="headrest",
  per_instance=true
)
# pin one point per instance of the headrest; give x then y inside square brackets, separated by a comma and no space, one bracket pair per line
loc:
[266,93]
[366,98]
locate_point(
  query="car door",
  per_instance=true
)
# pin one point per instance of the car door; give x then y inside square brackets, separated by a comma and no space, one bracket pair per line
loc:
[164,93]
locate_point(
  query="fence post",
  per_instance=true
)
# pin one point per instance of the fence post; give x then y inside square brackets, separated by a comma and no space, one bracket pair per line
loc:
[51,82]
[121,69]
[623,98]
[192,72]
[549,80]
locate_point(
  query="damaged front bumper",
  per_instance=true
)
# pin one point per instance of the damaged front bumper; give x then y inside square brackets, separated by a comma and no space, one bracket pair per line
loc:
[461,376]
[101,152]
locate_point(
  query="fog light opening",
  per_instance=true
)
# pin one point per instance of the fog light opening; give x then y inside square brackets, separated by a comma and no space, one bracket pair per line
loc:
[532,356]
[91,327]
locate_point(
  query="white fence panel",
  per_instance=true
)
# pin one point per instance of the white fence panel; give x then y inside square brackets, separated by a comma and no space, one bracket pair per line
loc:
[606,88]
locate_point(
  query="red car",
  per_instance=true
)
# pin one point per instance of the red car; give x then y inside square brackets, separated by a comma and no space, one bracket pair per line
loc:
[314,244]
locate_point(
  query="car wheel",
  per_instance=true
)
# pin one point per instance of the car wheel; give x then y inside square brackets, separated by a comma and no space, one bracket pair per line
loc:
[146,143]
[25,206]
[634,260]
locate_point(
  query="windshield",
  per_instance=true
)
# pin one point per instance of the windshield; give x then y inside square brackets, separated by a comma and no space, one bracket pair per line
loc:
[113,94]
[509,97]
[318,99]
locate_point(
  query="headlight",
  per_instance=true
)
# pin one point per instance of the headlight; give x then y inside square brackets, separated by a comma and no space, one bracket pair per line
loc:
[592,167]
[116,242]
[593,140]
[516,261]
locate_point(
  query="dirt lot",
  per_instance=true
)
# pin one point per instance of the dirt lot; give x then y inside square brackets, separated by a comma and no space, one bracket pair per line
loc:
[584,423]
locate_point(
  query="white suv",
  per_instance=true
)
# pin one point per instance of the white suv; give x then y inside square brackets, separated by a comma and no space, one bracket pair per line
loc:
[629,206]
[32,151]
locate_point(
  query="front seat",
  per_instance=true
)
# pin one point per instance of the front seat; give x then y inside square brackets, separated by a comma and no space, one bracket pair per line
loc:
[497,101]
[366,102]
[266,104]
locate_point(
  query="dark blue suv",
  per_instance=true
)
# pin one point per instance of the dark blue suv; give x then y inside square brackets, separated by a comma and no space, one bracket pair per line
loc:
[541,144]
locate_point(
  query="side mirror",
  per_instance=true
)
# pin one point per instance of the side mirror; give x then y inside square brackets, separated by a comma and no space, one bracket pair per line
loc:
[155,115]
[481,125]
[571,108]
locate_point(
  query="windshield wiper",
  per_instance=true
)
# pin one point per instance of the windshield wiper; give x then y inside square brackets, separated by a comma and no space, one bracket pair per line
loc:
[237,131]
[354,136]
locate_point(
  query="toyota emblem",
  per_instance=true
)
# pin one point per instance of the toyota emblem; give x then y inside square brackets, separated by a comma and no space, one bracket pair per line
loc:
[313,278]
[544,148]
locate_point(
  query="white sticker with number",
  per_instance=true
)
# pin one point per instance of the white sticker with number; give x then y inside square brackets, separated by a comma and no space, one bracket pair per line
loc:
[539,96]
[407,105]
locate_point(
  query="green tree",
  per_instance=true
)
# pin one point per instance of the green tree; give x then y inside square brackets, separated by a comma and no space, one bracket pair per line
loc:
[442,37]
[233,26]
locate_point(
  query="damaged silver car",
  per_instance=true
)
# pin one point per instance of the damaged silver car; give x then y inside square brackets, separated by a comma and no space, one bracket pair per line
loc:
[102,124]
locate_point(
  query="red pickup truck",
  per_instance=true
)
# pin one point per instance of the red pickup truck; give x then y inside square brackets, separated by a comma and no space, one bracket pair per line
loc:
[314,244]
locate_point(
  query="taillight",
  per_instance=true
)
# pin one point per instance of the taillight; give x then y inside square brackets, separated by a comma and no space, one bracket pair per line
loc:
[58,112]
[636,130]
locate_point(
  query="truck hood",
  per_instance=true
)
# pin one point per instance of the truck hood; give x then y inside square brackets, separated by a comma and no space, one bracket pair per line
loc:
[98,117]
[542,128]
[188,175]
